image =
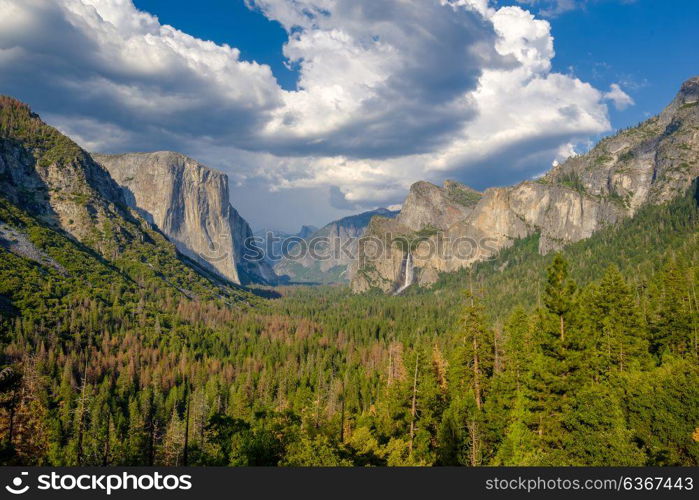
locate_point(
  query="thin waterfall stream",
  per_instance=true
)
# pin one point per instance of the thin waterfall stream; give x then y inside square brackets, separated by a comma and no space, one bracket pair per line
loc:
[409,274]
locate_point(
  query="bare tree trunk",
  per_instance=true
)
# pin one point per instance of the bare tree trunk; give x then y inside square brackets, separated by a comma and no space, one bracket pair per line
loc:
[151,432]
[475,443]
[342,414]
[413,408]
[497,362]
[81,413]
[185,456]
[693,295]
[562,329]
[476,368]
[476,374]
[11,426]
[105,457]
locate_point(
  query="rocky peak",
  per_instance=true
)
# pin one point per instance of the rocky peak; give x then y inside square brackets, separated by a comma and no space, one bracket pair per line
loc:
[687,96]
[461,193]
[306,231]
[431,206]
[650,163]
[335,246]
[189,202]
[49,176]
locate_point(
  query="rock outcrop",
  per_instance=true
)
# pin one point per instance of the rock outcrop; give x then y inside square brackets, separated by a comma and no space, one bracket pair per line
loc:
[63,215]
[53,179]
[325,255]
[650,163]
[190,204]
[428,205]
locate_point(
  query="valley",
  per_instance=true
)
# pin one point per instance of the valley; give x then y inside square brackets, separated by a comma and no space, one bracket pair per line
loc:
[136,332]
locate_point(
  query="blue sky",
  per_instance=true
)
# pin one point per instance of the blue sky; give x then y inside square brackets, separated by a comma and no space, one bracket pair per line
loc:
[317,109]
[231,22]
[648,45]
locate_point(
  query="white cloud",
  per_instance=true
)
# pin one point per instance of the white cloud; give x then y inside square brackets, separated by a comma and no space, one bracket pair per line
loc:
[105,60]
[389,92]
[554,8]
[620,98]
[377,79]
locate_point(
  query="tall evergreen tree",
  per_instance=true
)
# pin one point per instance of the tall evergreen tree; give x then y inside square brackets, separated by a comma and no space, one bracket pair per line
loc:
[613,326]
[559,293]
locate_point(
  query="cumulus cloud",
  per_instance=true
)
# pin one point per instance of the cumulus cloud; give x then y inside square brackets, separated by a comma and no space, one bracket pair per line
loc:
[553,8]
[388,93]
[105,61]
[378,79]
[620,98]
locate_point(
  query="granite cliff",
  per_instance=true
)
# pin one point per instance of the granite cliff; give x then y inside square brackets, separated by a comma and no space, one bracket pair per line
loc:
[438,231]
[190,204]
[63,212]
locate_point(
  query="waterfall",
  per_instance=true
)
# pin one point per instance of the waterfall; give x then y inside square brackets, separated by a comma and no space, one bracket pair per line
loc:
[409,272]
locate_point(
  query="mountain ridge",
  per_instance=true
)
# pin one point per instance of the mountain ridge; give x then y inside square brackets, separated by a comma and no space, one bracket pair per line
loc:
[54,195]
[190,203]
[649,163]
[335,247]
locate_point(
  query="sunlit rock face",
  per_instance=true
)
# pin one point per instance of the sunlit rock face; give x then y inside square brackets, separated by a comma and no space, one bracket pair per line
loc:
[650,163]
[190,204]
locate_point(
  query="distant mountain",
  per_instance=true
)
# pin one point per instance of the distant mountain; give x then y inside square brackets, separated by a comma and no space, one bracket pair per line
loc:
[189,202]
[306,231]
[271,241]
[649,164]
[327,252]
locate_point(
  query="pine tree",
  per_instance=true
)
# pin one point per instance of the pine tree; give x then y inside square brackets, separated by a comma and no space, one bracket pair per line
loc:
[521,446]
[612,326]
[672,325]
[477,342]
[509,384]
[597,432]
[559,293]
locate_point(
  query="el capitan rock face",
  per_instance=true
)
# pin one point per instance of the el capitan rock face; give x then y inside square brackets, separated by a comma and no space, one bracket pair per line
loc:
[190,204]
[650,163]
[55,196]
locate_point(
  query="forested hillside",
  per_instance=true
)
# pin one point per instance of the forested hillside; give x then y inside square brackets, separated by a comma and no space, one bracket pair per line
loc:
[588,357]
[528,297]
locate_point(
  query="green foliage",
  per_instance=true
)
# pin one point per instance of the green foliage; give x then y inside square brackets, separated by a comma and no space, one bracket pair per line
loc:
[139,360]
[559,293]
[462,195]
[597,433]
[46,143]
[572,180]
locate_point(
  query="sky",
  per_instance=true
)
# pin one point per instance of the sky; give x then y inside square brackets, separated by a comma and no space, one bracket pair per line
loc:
[318,109]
